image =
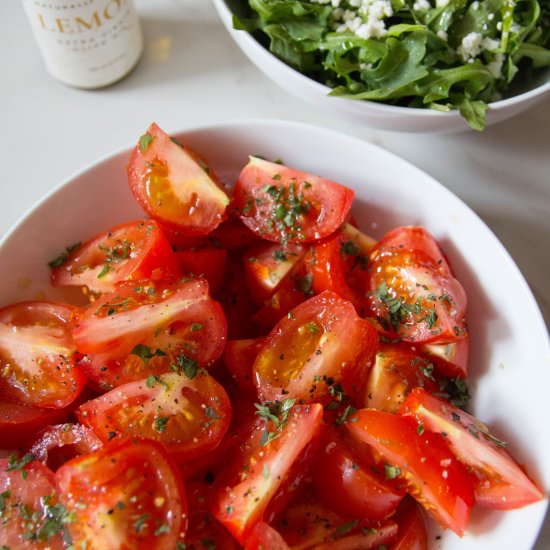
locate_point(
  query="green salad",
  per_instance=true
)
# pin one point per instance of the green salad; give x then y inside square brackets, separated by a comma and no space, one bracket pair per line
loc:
[440,54]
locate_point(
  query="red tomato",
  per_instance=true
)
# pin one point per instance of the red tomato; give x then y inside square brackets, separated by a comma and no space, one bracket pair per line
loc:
[19,422]
[282,204]
[412,290]
[58,443]
[264,537]
[308,524]
[30,515]
[207,533]
[132,250]
[262,464]
[266,266]
[125,495]
[174,185]
[450,359]
[320,343]
[150,328]
[395,373]
[412,533]
[239,356]
[208,263]
[188,412]
[37,354]
[500,481]
[433,474]
[346,482]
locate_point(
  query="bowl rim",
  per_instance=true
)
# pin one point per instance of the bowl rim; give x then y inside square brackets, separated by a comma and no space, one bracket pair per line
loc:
[375,106]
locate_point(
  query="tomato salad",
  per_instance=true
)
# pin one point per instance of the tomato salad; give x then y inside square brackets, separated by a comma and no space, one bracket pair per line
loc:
[251,370]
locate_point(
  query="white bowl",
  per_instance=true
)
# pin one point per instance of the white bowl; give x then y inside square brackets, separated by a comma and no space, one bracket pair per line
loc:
[510,364]
[372,113]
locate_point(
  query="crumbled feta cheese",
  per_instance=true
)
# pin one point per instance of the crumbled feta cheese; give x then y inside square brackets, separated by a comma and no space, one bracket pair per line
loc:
[495,67]
[441,3]
[443,35]
[499,26]
[489,44]
[491,16]
[421,5]
[475,5]
[470,46]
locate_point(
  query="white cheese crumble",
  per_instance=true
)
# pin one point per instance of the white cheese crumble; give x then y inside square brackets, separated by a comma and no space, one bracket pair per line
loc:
[365,18]
[470,46]
[421,5]
[443,35]
[441,3]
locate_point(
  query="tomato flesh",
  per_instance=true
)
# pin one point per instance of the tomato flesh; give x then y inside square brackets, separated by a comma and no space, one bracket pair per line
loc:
[501,483]
[125,495]
[433,474]
[37,354]
[282,204]
[174,186]
[188,415]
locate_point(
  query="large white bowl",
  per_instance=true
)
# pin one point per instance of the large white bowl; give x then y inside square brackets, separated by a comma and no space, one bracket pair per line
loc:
[372,113]
[510,364]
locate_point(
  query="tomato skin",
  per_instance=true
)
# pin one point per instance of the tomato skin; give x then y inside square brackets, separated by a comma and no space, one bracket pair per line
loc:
[382,536]
[412,533]
[141,330]
[264,537]
[239,356]
[258,471]
[499,481]
[132,250]
[450,359]
[208,263]
[396,371]
[412,290]
[57,443]
[345,482]
[27,488]
[139,475]
[433,474]
[38,354]
[189,416]
[175,186]
[321,340]
[282,204]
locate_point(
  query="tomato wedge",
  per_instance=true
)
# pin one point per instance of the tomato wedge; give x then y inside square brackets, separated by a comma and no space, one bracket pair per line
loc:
[322,342]
[125,495]
[412,533]
[262,464]
[146,328]
[450,359]
[412,291]
[501,482]
[30,517]
[434,476]
[174,185]
[132,250]
[264,537]
[282,204]
[189,412]
[37,354]
[206,263]
[395,373]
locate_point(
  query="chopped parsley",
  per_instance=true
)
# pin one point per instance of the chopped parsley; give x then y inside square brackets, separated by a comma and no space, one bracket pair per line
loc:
[144,141]
[160,423]
[185,364]
[15,463]
[391,472]
[277,412]
[63,257]
[145,353]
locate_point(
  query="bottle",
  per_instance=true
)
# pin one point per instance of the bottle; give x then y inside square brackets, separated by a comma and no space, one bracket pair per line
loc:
[87,43]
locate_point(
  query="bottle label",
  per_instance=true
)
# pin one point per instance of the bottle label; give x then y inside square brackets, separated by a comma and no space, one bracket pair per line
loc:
[86,43]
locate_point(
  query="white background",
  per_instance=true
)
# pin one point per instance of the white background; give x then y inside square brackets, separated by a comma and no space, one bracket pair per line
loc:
[191,74]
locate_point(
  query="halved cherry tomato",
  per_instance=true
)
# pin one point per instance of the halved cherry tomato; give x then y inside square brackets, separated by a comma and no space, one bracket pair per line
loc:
[132,250]
[320,343]
[412,533]
[434,476]
[306,523]
[174,185]
[207,533]
[125,495]
[412,290]
[239,357]
[207,263]
[38,353]
[450,359]
[188,412]
[349,484]
[30,516]
[58,443]
[262,464]
[395,373]
[500,481]
[147,328]
[267,264]
[282,204]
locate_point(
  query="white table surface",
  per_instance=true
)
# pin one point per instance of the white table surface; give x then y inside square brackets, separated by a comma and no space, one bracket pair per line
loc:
[192,74]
